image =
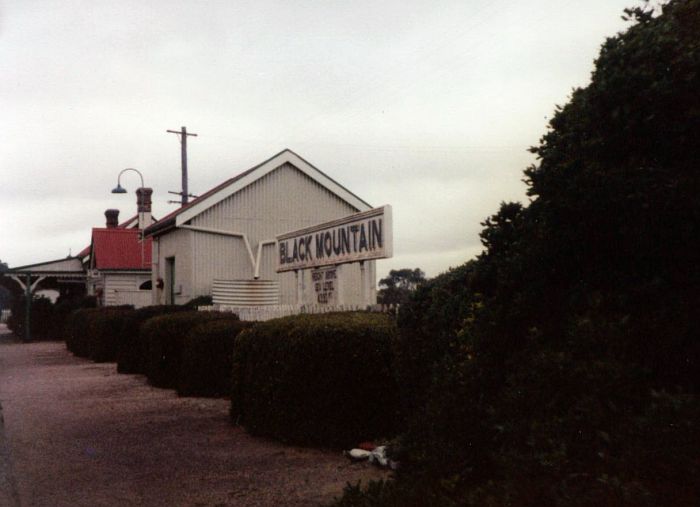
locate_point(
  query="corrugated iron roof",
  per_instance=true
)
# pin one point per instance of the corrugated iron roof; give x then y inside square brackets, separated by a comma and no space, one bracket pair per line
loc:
[120,249]
[131,223]
[84,252]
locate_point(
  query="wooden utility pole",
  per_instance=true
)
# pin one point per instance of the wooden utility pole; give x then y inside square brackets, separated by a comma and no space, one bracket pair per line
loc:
[182,133]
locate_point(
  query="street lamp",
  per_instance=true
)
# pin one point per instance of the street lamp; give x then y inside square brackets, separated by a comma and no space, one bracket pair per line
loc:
[121,190]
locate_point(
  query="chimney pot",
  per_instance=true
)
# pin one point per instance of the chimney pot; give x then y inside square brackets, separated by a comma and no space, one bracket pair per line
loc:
[112,216]
[143,199]
[143,204]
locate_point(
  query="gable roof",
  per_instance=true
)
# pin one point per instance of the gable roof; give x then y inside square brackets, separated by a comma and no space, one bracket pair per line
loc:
[242,180]
[131,223]
[119,249]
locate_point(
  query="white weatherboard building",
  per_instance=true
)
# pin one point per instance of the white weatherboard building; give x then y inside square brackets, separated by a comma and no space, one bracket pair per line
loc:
[223,243]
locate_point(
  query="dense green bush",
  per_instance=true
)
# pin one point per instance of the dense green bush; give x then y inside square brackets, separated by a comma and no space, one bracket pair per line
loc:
[76,331]
[574,378]
[428,323]
[41,323]
[316,379]
[193,303]
[64,307]
[104,332]
[95,332]
[131,353]
[205,366]
[163,336]
[47,319]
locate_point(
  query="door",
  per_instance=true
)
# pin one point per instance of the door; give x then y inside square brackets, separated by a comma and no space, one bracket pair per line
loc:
[170,280]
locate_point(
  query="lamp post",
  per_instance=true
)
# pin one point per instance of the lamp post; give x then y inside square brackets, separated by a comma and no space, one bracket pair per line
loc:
[121,190]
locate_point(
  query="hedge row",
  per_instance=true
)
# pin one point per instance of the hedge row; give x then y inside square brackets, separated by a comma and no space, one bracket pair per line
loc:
[157,341]
[316,379]
[206,360]
[163,337]
[132,350]
[95,332]
[47,320]
[310,379]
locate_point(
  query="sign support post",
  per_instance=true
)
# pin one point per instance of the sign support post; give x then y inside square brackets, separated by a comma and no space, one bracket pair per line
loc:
[363,282]
[299,283]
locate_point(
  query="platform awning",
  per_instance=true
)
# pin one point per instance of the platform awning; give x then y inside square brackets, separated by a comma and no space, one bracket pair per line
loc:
[70,267]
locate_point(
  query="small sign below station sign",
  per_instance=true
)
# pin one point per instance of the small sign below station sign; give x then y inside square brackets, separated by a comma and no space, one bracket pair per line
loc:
[325,284]
[359,237]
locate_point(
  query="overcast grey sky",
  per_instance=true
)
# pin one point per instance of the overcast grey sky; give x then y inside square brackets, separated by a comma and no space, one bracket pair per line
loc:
[427,106]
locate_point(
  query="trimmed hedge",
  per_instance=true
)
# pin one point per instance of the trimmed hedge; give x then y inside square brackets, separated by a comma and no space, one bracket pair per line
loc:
[198,301]
[76,331]
[132,349]
[42,317]
[95,332]
[48,320]
[316,379]
[206,359]
[104,331]
[163,337]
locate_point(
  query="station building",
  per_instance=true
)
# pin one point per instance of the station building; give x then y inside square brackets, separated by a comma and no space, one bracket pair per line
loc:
[223,243]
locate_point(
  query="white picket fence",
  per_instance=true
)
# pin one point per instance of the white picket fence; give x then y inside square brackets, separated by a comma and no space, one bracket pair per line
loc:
[260,313]
[4,315]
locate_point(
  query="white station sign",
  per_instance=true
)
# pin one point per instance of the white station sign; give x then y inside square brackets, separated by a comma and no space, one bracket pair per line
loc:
[359,237]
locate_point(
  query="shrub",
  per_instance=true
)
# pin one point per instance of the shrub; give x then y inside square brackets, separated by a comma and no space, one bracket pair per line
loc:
[48,320]
[316,379]
[575,381]
[193,303]
[132,351]
[428,323]
[163,336]
[76,331]
[104,332]
[205,367]
[95,332]
[65,307]
[41,324]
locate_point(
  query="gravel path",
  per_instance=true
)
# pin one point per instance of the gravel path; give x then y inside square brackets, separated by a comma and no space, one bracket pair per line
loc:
[77,433]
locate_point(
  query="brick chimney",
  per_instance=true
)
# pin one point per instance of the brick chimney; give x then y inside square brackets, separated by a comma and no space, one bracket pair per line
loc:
[112,216]
[143,204]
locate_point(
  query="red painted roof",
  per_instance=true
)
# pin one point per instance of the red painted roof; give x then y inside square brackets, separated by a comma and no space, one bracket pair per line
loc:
[119,249]
[84,252]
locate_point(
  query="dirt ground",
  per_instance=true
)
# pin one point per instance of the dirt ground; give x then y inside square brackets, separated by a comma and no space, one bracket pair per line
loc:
[75,433]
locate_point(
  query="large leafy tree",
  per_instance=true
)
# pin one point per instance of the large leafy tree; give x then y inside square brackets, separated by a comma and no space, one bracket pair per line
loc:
[573,378]
[397,287]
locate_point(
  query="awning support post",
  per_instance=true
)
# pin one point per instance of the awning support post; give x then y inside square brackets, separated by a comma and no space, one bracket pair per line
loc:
[28,307]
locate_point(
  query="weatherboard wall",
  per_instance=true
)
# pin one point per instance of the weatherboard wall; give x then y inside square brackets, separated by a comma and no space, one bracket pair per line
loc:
[178,244]
[120,282]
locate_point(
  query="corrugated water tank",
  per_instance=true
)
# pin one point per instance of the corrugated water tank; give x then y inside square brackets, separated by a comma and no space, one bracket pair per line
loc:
[246,292]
